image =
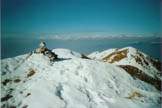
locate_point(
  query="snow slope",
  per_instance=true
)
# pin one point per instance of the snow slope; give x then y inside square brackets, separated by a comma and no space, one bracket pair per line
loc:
[66,53]
[32,81]
[132,57]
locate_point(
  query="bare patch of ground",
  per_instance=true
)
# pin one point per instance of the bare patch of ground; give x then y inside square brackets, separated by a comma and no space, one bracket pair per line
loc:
[116,56]
[137,73]
[31,73]
[134,95]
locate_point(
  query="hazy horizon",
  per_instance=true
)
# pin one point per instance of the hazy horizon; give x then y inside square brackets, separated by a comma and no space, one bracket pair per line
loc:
[12,47]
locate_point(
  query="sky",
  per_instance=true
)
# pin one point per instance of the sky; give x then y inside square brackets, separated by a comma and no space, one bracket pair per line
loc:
[78,16]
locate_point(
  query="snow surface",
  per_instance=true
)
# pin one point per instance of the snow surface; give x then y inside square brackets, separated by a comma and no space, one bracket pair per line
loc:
[73,82]
[66,53]
[100,55]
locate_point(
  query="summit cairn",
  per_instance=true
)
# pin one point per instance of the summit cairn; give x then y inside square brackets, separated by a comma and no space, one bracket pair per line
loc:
[42,48]
[45,51]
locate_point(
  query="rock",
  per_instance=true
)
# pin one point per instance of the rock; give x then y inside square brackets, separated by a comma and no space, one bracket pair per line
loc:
[51,55]
[40,50]
[44,50]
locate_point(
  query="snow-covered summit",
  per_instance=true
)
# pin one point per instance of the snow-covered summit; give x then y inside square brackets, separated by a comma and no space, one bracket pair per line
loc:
[132,60]
[132,57]
[33,81]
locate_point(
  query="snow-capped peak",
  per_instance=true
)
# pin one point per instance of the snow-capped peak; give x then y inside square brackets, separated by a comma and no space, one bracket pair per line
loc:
[131,58]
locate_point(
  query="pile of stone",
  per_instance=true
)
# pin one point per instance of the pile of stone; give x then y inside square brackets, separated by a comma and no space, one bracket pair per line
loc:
[45,51]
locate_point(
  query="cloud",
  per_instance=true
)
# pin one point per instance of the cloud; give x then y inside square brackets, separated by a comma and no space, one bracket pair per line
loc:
[93,36]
